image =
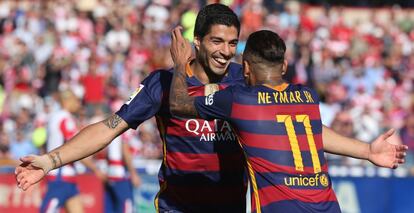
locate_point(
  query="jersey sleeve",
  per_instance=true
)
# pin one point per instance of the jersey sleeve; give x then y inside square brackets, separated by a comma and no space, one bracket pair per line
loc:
[144,102]
[215,106]
[68,128]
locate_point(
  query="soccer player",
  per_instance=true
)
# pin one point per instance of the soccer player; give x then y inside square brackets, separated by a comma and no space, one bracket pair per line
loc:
[278,125]
[202,168]
[62,190]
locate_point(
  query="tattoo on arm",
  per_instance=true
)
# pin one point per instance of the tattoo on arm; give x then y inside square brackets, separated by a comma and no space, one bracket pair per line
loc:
[55,159]
[113,121]
[180,102]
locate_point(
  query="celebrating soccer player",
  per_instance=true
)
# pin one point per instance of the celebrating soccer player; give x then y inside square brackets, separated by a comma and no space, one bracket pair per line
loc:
[279,128]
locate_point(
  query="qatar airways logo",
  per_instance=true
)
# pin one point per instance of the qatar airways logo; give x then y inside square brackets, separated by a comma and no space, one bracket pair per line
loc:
[216,130]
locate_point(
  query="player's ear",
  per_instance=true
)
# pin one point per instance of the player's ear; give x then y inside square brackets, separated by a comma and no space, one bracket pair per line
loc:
[197,42]
[246,68]
[284,67]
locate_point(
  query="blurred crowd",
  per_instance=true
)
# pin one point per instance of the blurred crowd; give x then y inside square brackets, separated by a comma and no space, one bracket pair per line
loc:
[102,49]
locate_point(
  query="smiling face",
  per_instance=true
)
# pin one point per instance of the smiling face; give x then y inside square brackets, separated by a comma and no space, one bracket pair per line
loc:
[215,50]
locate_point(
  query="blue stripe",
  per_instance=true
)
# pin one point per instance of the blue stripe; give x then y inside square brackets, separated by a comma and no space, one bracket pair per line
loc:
[195,146]
[272,127]
[295,206]
[219,178]
[283,158]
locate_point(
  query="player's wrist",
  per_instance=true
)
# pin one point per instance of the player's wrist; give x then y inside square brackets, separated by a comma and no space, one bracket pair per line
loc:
[180,67]
[45,163]
[368,154]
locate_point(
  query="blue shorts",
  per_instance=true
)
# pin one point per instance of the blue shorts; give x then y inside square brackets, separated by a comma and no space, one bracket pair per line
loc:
[118,197]
[58,192]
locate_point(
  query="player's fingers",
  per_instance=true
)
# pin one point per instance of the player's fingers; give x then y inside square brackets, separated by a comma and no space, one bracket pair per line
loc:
[21,182]
[388,134]
[177,31]
[25,185]
[27,159]
[400,154]
[18,170]
[401,161]
[19,177]
[173,37]
[401,147]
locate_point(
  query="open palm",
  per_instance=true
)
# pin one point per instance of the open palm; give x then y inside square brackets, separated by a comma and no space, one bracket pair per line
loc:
[384,154]
[29,173]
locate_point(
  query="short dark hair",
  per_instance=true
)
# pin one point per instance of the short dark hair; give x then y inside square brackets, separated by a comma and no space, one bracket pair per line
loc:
[213,14]
[264,46]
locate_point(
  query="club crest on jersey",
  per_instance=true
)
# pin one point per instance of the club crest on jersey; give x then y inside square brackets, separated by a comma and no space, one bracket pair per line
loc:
[210,89]
[135,93]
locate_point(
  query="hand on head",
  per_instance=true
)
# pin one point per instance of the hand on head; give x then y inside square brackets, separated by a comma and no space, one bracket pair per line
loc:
[181,52]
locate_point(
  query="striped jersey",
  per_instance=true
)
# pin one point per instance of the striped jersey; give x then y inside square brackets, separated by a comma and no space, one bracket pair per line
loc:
[61,127]
[280,131]
[203,166]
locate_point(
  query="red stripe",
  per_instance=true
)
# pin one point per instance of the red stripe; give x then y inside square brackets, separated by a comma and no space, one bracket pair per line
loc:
[269,112]
[197,91]
[206,194]
[262,165]
[67,132]
[277,142]
[273,194]
[204,162]
[116,162]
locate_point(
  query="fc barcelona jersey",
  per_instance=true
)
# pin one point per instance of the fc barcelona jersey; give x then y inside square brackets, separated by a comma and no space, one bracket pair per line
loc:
[203,165]
[280,131]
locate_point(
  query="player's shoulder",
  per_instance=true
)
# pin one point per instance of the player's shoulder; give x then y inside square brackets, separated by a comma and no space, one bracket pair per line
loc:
[235,72]
[159,77]
[161,74]
[301,87]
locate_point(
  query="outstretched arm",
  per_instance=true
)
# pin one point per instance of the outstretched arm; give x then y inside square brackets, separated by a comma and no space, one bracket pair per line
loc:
[87,142]
[380,152]
[127,157]
[181,104]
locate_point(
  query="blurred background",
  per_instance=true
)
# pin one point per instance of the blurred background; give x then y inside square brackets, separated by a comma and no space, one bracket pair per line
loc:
[359,55]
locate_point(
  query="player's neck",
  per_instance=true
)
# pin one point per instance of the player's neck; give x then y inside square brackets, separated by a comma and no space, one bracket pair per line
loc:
[270,81]
[204,76]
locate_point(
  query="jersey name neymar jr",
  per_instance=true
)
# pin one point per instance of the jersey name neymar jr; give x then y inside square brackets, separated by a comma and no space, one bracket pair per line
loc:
[280,131]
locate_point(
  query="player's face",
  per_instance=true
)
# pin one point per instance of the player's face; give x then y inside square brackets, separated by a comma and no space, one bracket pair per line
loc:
[217,48]
[74,104]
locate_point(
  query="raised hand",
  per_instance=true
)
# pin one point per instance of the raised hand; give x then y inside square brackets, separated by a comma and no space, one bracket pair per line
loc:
[180,47]
[32,170]
[382,153]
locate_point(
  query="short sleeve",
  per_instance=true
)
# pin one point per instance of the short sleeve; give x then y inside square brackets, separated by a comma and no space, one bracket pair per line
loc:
[144,102]
[215,106]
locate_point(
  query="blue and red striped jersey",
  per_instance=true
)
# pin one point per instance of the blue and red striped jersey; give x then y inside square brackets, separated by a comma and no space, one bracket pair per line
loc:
[203,168]
[280,131]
